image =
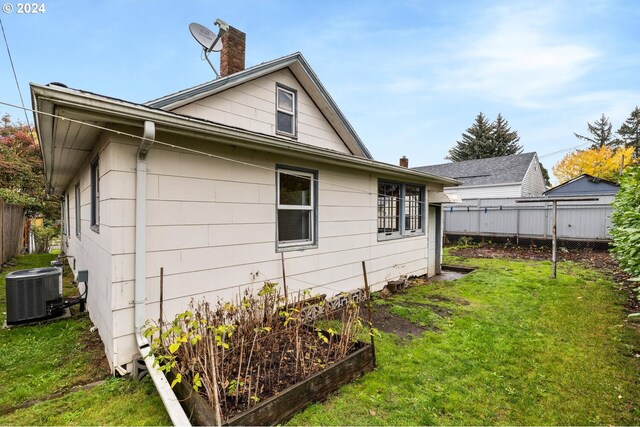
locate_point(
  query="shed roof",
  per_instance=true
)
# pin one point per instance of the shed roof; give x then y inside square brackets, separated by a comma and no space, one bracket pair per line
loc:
[493,170]
[584,184]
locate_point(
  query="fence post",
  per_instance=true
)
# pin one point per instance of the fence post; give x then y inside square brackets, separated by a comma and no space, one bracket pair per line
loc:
[518,225]
[2,239]
[554,244]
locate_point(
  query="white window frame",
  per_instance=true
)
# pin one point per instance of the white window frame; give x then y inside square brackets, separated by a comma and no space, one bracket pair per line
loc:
[293,113]
[403,231]
[311,208]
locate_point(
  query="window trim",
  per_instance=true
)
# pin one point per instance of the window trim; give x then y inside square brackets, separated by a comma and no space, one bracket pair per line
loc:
[68,215]
[77,197]
[63,215]
[301,244]
[403,232]
[95,195]
[294,115]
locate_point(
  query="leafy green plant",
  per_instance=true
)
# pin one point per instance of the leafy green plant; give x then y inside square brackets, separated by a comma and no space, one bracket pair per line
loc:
[236,354]
[626,222]
[43,234]
[464,241]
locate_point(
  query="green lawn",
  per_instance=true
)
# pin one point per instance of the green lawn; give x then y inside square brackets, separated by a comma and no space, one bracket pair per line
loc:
[518,349]
[40,360]
[509,346]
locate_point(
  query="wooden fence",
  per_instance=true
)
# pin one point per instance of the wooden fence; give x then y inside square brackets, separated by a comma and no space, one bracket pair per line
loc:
[577,221]
[12,230]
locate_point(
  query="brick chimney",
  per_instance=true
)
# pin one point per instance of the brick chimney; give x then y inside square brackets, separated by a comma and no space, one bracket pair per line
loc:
[232,53]
[404,162]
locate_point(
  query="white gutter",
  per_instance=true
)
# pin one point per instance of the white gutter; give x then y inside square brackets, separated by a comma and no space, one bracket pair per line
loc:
[171,402]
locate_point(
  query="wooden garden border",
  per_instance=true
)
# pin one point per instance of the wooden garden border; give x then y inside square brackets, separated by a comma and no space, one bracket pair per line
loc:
[281,407]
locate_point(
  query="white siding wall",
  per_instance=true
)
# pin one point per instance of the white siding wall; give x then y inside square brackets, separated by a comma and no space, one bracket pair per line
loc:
[486,192]
[211,226]
[533,181]
[91,251]
[251,106]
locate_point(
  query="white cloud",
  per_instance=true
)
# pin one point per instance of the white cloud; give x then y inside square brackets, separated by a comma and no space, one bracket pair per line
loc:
[517,56]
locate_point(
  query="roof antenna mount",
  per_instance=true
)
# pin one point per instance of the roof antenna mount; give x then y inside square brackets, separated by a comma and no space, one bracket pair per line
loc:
[209,41]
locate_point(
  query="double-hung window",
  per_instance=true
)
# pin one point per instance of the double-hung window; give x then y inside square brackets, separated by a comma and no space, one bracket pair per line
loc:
[296,205]
[95,195]
[286,111]
[400,210]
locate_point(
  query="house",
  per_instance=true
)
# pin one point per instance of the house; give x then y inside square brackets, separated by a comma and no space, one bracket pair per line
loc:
[248,178]
[519,175]
[586,185]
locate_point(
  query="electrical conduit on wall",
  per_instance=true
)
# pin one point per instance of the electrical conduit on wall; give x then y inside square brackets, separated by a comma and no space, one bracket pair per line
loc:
[171,403]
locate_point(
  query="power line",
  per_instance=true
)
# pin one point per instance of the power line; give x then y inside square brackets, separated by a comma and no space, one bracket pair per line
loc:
[564,150]
[15,77]
[202,153]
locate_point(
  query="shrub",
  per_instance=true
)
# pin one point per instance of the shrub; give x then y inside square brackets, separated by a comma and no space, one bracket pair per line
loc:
[626,222]
[235,355]
[43,234]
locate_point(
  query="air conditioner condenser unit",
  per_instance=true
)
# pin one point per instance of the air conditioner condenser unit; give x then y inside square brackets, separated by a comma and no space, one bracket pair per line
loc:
[34,294]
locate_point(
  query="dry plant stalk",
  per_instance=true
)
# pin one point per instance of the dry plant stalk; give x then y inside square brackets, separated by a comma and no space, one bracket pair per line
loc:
[237,354]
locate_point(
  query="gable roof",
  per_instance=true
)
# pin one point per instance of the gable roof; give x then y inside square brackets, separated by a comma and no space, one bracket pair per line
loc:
[300,69]
[584,184]
[69,122]
[493,170]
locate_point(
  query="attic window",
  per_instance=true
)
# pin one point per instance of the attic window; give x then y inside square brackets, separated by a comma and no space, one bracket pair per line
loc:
[286,111]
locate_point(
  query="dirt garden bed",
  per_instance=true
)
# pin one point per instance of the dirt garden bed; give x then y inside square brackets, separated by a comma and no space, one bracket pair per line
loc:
[597,259]
[251,361]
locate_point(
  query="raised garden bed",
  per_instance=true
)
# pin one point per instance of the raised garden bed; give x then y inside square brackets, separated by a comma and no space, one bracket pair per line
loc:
[281,407]
[262,358]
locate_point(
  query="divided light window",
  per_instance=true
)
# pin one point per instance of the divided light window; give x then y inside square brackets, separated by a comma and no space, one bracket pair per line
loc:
[286,111]
[413,209]
[296,204]
[95,195]
[77,197]
[400,209]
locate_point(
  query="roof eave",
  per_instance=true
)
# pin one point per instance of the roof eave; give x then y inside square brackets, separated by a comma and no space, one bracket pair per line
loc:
[134,114]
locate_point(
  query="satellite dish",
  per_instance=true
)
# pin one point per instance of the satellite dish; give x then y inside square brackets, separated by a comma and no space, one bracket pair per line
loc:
[209,41]
[206,37]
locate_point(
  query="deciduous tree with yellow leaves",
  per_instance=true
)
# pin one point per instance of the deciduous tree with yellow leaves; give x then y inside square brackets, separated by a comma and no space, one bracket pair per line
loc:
[603,162]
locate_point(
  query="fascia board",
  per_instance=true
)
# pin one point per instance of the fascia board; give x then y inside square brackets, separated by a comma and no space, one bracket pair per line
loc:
[122,112]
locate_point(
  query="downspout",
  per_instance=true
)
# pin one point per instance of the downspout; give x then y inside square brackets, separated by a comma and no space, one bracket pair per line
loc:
[171,403]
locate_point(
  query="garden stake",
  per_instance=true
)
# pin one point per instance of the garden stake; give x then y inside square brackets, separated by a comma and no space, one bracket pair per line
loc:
[284,284]
[367,293]
[161,301]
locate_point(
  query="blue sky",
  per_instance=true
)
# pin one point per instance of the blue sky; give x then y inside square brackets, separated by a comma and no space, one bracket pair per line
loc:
[409,75]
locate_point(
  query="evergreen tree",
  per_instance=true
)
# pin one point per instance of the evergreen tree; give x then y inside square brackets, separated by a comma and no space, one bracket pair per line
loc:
[483,140]
[601,134]
[505,141]
[545,176]
[629,132]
